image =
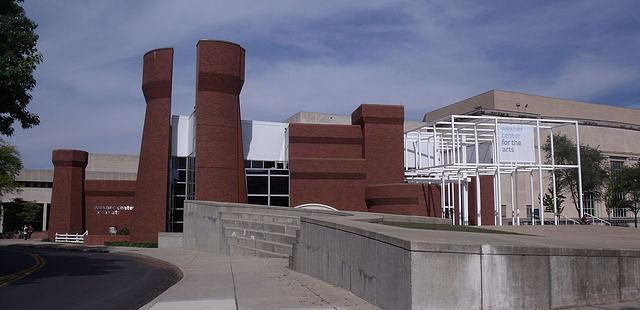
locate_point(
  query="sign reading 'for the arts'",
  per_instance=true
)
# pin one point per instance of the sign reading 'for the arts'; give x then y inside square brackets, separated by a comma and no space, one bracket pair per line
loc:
[516,143]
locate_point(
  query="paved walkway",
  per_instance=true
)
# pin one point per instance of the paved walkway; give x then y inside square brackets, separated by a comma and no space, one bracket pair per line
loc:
[221,282]
[214,281]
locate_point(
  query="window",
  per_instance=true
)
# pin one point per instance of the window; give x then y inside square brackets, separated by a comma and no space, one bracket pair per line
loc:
[177,192]
[616,167]
[267,182]
[589,203]
[35,184]
[191,176]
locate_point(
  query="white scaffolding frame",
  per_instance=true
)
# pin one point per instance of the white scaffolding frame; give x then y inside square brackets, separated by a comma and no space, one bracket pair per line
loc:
[439,153]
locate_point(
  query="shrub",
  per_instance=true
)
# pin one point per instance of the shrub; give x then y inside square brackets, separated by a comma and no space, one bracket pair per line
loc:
[132,244]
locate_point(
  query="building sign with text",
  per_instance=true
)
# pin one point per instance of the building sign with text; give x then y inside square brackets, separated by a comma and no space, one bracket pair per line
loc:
[516,143]
[113,210]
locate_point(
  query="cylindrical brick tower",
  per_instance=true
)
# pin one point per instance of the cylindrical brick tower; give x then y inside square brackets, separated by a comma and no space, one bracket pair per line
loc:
[152,182]
[67,196]
[219,154]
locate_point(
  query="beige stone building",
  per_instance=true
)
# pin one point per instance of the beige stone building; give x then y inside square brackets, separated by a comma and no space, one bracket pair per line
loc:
[613,130]
[36,184]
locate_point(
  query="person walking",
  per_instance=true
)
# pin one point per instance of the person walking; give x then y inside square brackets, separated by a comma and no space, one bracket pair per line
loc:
[24,231]
[29,231]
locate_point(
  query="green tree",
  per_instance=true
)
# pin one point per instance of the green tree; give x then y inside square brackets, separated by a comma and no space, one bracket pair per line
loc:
[10,165]
[18,59]
[593,164]
[547,201]
[614,195]
[20,212]
[631,186]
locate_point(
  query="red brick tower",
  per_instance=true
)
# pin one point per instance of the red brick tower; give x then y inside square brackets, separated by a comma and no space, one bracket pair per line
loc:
[67,197]
[152,182]
[219,154]
[382,147]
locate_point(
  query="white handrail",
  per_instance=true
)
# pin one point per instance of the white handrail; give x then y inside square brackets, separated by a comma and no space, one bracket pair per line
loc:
[71,238]
[567,220]
[597,218]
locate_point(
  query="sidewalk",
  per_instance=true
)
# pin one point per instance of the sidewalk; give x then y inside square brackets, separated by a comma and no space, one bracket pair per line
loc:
[222,282]
[212,281]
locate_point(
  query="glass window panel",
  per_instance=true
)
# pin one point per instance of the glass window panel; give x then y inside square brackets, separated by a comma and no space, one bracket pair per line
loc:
[269,164]
[178,215]
[247,164]
[178,202]
[280,172]
[176,227]
[258,200]
[279,185]
[280,201]
[181,163]
[257,185]
[256,171]
[179,189]
[256,164]
[182,175]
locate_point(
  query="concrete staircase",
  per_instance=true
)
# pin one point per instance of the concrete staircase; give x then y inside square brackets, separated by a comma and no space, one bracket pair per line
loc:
[259,233]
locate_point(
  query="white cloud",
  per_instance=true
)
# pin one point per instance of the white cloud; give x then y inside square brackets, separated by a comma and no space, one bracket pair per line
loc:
[324,56]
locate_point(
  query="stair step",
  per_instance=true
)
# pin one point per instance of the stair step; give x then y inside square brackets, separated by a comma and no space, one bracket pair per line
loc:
[260,226]
[262,217]
[238,250]
[269,246]
[259,234]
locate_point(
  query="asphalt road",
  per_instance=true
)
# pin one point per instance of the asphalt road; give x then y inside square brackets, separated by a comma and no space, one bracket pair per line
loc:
[63,279]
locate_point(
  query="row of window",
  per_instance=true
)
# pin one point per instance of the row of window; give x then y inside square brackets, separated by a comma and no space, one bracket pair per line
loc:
[35,184]
[177,193]
[267,182]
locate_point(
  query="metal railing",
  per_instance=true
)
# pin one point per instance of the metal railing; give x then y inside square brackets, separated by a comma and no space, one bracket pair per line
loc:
[594,220]
[71,238]
[563,220]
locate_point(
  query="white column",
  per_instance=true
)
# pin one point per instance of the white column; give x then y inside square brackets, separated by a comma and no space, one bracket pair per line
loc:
[553,180]
[533,222]
[541,210]
[579,172]
[513,201]
[45,208]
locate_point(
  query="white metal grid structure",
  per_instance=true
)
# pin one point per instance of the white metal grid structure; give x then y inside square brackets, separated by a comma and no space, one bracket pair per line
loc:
[456,150]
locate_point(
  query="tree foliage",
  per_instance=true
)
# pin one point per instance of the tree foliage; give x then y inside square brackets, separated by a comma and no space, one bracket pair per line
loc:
[10,165]
[547,201]
[18,59]
[630,184]
[614,196]
[20,212]
[593,164]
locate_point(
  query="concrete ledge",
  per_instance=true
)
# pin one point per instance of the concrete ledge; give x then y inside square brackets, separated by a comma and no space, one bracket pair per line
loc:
[398,268]
[169,240]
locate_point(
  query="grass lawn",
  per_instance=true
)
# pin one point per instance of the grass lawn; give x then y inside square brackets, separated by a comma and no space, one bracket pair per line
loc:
[448,227]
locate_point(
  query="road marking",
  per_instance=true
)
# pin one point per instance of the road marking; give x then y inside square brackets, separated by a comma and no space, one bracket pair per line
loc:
[5,280]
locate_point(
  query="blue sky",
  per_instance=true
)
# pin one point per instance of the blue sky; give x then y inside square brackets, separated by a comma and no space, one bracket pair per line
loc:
[325,56]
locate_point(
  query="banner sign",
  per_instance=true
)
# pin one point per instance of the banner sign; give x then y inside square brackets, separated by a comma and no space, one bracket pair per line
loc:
[516,144]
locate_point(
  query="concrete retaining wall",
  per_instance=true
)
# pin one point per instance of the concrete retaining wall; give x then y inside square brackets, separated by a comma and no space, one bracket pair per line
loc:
[396,272]
[204,230]
[169,240]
